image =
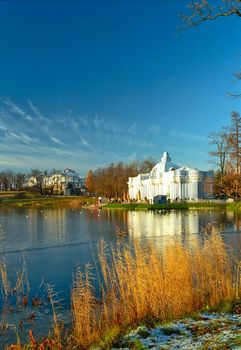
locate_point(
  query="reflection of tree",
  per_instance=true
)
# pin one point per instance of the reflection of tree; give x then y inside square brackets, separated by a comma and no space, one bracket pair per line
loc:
[237,219]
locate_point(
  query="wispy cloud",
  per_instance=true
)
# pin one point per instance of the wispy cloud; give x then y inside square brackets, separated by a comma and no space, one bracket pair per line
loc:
[133,128]
[35,110]
[28,136]
[16,109]
[155,129]
[31,137]
[54,139]
[188,136]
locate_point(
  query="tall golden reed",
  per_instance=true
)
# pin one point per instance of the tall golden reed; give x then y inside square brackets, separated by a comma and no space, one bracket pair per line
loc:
[140,282]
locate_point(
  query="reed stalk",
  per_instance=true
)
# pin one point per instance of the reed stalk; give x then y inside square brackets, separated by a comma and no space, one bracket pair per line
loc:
[142,282]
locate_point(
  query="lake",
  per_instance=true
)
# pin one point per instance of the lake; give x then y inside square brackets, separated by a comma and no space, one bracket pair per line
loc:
[54,242]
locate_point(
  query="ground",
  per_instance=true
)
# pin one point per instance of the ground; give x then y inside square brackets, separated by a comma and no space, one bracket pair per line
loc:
[205,331]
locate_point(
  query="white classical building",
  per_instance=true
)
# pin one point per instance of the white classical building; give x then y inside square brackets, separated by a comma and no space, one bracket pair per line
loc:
[170,180]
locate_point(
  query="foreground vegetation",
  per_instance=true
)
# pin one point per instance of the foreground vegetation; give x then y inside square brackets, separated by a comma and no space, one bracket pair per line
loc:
[142,283]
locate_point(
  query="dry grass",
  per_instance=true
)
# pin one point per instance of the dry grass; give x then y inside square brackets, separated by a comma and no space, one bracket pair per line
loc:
[21,283]
[141,282]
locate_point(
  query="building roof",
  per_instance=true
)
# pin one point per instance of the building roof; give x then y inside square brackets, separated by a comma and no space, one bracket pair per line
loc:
[165,165]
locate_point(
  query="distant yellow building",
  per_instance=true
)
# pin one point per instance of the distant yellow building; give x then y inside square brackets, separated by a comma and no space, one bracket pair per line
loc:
[65,183]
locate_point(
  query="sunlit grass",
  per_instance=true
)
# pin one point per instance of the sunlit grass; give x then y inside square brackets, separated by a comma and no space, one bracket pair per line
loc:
[142,283]
[47,201]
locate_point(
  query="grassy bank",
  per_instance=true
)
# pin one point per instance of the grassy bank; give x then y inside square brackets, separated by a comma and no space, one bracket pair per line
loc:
[234,206]
[48,201]
[145,206]
[26,199]
[172,206]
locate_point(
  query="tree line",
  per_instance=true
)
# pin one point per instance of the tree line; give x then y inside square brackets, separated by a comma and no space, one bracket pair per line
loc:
[226,154]
[111,181]
[36,180]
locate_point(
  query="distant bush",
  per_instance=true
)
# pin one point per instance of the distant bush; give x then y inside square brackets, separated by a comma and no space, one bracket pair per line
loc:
[20,195]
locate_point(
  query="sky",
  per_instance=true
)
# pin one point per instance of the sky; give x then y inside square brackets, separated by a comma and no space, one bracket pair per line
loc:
[87,83]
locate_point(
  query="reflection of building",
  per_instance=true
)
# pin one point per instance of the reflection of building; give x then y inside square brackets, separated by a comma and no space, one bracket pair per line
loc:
[168,179]
[149,224]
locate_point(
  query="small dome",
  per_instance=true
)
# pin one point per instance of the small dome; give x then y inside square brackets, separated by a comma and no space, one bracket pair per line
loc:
[165,165]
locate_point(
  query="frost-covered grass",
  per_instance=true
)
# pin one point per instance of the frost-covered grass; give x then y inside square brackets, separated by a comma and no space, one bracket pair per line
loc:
[204,332]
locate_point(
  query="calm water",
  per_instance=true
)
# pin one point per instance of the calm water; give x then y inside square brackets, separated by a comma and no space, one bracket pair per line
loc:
[53,242]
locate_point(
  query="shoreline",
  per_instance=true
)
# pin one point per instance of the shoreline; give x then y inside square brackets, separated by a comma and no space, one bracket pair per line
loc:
[25,200]
[46,201]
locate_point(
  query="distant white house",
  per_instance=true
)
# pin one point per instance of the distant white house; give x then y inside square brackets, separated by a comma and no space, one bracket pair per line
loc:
[66,183]
[170,180]
[72,183]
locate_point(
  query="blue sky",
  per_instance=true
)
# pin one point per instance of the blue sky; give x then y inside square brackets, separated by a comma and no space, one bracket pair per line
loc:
[87,83]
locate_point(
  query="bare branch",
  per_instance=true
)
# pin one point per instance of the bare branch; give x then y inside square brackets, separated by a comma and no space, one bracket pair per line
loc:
[203,10]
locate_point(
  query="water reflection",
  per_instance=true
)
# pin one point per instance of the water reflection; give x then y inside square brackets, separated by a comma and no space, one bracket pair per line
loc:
[55,241]
[166,223]
[35,229]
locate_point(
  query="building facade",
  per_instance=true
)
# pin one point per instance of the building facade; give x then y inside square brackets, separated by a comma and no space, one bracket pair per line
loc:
[170,180]
[66,183]
[72,183]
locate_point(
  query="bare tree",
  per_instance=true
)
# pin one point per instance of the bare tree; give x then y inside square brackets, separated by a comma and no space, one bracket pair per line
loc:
[20,181]
[146,165]
[7,180]
[203,10]
[111,181]
[36,179]
[234,140]
[220,142]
